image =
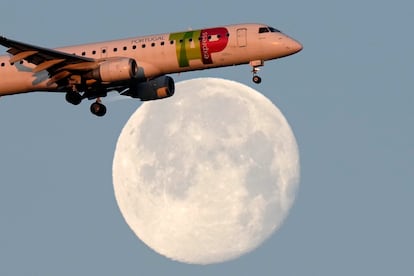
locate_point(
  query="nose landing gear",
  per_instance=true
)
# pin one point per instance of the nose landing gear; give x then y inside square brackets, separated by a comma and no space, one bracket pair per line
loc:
[256,64]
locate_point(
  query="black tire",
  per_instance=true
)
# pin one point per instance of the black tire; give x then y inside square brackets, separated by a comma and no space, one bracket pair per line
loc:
[257,79]
[73,98]
[98,109]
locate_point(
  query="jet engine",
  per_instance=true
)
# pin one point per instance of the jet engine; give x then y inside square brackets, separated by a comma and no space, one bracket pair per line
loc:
[154,89]
[114,70]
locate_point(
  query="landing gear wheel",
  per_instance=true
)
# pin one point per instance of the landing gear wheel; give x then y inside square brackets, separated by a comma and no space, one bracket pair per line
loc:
[98,109]
[257,79]
[74,98]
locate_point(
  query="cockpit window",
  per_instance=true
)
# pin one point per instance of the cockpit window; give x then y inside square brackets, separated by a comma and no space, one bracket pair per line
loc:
[267,30]
[273,30]
[263,30]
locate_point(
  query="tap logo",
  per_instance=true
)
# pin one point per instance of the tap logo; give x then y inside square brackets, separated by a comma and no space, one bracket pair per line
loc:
[199,45]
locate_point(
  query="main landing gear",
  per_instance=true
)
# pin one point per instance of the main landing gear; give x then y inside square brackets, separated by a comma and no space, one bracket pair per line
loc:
[97,108]
[73,97]
[256,64]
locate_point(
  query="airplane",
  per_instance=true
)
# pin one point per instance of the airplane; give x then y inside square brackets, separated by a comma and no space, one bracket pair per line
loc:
[137,67]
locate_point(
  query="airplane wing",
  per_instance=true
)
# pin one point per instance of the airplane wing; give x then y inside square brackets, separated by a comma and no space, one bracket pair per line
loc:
[60,65]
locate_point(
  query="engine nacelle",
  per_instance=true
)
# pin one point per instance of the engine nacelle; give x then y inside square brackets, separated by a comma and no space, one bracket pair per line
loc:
[158,88]
[114,70]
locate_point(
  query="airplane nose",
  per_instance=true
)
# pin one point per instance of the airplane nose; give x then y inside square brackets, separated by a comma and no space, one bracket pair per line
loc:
[294,46]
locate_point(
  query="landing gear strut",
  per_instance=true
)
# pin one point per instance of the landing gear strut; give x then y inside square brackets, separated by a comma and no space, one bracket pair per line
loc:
[98,109]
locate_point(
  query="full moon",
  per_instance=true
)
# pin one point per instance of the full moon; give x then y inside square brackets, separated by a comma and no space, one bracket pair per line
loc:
[206,175]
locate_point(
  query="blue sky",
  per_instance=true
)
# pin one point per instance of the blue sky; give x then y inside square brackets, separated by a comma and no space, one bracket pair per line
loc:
[348,97]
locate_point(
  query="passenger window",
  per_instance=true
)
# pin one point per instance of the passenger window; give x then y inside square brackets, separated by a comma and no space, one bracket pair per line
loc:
[125,48]
[134,47]
[143,45]
[153,44]
[162,43]
[115,49]
[2,64]
[83,53]
[93,52]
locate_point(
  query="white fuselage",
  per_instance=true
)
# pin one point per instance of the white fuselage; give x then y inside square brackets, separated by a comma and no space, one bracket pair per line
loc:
[162,54]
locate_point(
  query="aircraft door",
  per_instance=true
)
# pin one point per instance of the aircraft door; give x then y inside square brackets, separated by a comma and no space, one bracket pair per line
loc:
[242,37]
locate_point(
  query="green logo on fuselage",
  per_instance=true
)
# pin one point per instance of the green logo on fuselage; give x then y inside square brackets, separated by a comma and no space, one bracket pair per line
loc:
[199,45]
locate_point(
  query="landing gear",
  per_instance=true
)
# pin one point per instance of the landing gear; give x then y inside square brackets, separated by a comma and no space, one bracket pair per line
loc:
[73,97]
[256,64]
[98,109]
